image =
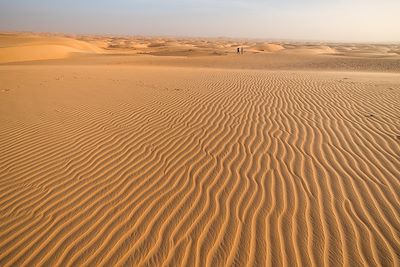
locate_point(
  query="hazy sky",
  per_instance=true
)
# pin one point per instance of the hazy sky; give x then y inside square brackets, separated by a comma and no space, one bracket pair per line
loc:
[335,20]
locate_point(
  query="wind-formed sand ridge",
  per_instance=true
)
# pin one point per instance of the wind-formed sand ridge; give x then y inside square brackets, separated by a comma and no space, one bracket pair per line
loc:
[106,165]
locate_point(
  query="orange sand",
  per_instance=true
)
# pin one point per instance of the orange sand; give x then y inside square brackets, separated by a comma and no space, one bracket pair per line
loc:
[119,151]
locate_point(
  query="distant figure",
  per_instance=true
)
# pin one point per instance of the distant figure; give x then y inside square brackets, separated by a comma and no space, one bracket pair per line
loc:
[238,50]
[241,50]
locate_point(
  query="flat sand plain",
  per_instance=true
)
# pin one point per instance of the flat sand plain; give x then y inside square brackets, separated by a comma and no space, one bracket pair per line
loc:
[139,151]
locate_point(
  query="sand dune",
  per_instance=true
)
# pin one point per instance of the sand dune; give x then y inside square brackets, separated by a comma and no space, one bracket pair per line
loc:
[151,165]
[15,47]
[29,47]
[266,47]
[311,49]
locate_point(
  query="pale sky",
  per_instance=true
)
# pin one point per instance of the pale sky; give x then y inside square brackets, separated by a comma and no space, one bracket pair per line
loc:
[325,20]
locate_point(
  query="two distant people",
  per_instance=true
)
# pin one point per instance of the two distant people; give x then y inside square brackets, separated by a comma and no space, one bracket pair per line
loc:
[240,50]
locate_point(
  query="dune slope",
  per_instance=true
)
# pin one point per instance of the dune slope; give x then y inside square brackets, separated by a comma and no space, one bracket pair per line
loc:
[108,166]
[18,48]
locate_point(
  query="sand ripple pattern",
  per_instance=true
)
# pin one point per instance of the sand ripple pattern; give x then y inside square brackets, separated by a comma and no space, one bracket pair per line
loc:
[206,168]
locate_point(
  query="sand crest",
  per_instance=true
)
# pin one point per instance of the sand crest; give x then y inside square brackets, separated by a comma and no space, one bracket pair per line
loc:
[15,48]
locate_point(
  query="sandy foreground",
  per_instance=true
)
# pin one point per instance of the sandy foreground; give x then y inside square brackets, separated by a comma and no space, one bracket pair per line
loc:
[135,151]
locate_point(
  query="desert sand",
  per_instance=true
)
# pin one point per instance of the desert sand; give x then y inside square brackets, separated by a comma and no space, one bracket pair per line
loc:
[146,151]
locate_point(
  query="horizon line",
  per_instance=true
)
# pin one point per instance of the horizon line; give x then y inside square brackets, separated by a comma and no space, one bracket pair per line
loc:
[263,39]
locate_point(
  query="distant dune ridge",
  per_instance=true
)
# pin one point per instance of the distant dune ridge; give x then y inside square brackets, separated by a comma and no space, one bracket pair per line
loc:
[27,48]
[16,47]
[266,47]
[137,151]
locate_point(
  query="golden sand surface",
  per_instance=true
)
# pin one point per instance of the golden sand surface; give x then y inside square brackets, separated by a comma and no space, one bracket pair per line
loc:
[145,151]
